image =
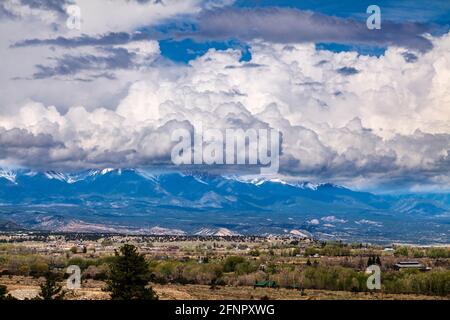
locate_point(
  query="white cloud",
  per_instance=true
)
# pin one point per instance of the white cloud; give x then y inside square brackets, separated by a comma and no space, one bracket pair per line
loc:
[115,15]
[331,123]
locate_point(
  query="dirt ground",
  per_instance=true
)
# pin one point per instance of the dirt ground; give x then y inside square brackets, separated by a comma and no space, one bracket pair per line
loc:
[199,292]
[27,288]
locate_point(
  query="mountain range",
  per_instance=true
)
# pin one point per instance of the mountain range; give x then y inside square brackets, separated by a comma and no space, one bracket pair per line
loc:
[142,201]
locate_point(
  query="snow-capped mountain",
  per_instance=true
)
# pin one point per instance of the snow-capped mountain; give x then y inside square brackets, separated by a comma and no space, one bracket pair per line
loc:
[8,175]
[212,204]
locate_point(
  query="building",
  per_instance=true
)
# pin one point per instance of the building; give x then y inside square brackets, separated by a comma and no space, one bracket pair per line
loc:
[410,265]
[265,284]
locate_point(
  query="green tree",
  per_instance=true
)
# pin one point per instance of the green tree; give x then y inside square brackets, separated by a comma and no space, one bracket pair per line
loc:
[50,290]
[129,276]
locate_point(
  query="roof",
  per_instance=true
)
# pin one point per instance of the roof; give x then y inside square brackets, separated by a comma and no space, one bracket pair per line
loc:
[265,283]
[409,264]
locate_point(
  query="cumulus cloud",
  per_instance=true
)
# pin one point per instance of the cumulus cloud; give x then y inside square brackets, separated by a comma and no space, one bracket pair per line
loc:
[343,117]
[388,120]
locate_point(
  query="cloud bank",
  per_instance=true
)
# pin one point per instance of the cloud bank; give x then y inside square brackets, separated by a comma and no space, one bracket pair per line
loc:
[342,116]
[107,98]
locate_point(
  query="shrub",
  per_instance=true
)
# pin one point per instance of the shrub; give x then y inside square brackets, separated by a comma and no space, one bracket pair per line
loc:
[401,251]
[231,263]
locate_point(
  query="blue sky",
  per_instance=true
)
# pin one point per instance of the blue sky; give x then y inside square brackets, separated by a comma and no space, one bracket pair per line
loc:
[435,11]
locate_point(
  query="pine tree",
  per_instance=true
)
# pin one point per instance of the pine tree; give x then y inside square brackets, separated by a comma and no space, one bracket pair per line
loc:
[129,276]
[378,261]
[370,261]
[50,290]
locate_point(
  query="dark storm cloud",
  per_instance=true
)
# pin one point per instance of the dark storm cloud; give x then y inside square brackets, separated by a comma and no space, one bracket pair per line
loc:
[347,71]
[282,25]
[409,57]
[52,5]
[5,13]
[21,138]
[57,6]
[117,58]
[249,65]
[108,39]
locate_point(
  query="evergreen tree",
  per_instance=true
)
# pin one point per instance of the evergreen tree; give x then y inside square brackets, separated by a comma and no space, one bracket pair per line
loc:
[378,261]
[129,276]
[50,290]
[370,261]
[308,263]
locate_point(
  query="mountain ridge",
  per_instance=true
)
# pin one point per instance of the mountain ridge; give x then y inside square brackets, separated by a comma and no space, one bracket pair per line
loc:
[136,199]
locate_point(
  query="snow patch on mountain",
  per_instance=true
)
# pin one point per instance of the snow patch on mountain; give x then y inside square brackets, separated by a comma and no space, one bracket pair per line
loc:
[333,219]
[369,222]
[221,232]
[157,230]
[301,234]
[8,175]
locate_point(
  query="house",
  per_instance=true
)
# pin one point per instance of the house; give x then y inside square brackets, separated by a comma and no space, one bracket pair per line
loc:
[265,284]
[410,265]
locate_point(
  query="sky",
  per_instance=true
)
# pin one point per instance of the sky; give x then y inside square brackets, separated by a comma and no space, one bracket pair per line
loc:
[364,108]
